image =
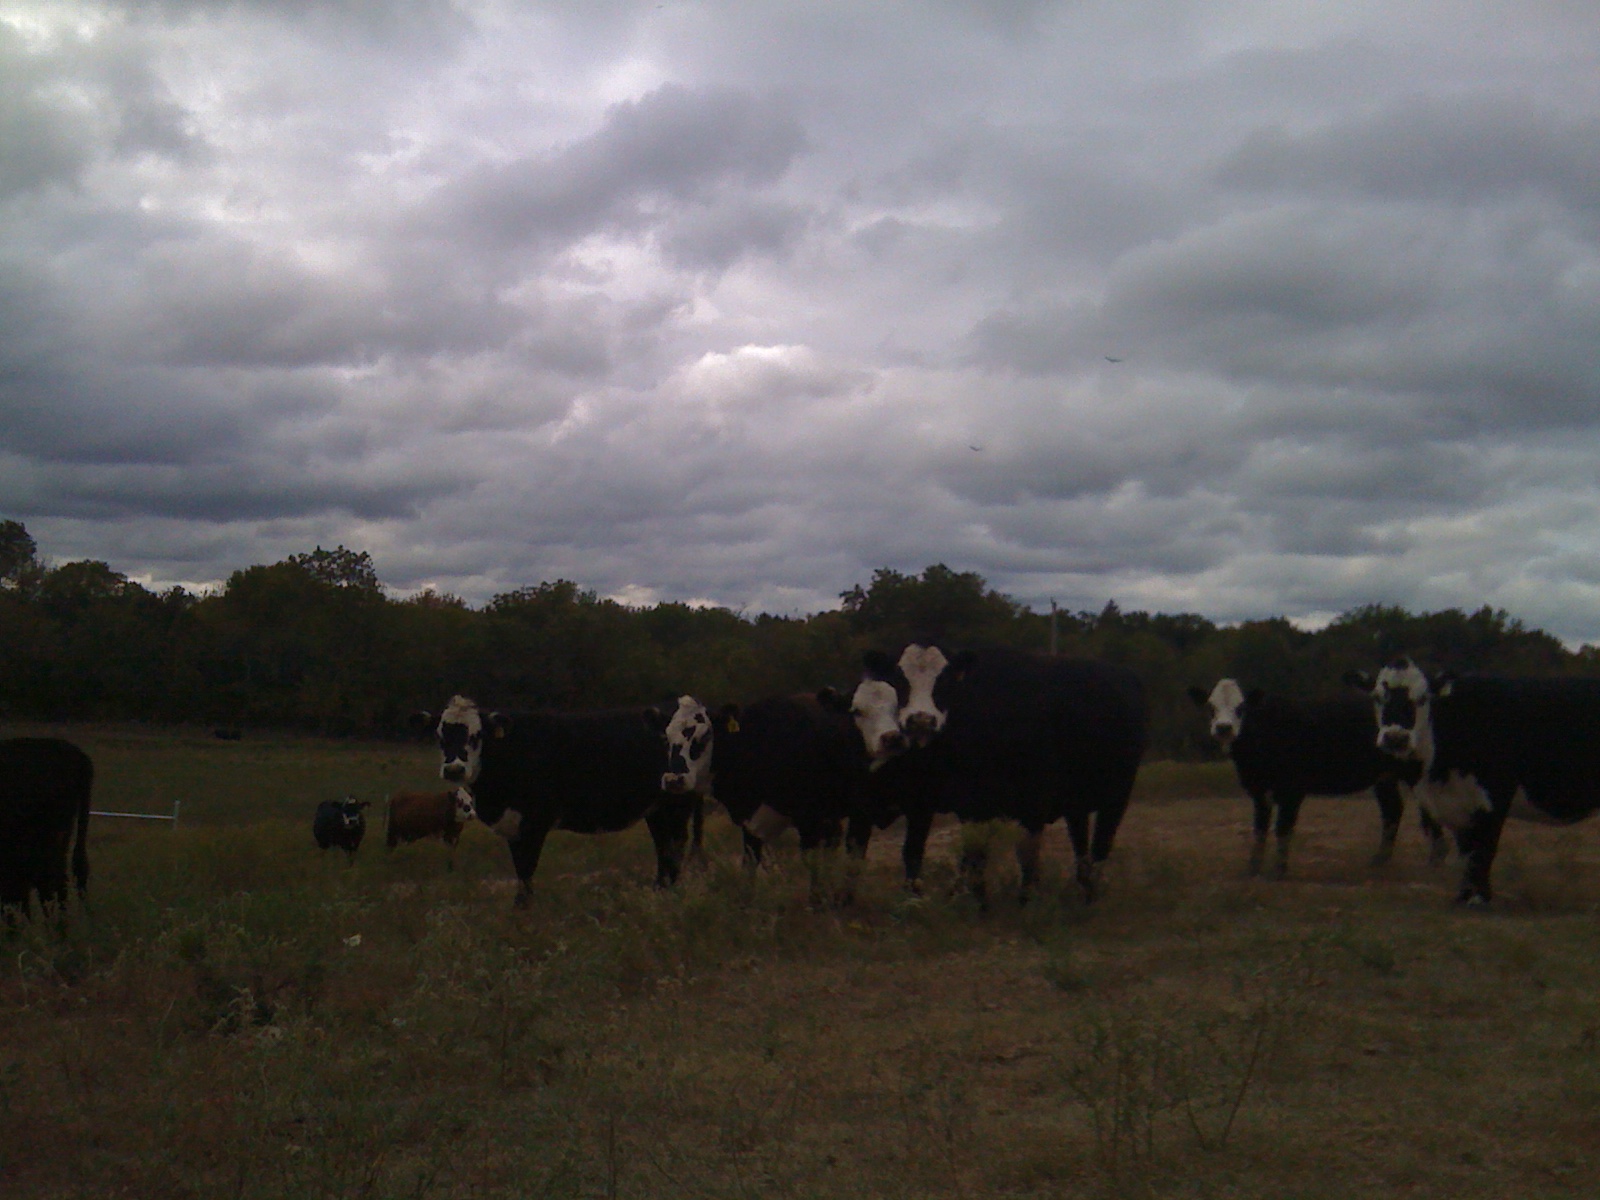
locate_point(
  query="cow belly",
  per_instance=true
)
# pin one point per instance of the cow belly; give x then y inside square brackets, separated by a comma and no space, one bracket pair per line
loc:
[1525,809]
[1454,801]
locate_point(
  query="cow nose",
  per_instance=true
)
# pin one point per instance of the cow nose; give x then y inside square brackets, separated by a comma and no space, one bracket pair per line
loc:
[892,743]
[1223,733]
[675,784]
[454,772]
[1395,741]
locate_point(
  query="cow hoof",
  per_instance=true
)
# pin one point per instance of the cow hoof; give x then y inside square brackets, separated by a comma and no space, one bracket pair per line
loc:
[1472,900]
[521,901]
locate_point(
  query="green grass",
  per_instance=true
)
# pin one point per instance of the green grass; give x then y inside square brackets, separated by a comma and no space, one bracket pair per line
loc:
[237,1014]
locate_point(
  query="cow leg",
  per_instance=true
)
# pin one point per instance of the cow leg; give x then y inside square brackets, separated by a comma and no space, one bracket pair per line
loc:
[669,830]
[1288,814]
[1261,802]
[856,839]
[816,838]
[975,863]
[1106,823]
[697,831]
[1390,807]
[1077,821]
[1028,861]
[525,850]
[918,823]
[1438,844]
[752,848]
[1478,843]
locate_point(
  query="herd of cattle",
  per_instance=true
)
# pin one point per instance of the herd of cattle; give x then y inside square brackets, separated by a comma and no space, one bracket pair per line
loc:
[995,734]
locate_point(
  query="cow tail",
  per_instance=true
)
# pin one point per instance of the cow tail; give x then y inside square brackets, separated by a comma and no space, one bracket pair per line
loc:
[389,839]
[80,848]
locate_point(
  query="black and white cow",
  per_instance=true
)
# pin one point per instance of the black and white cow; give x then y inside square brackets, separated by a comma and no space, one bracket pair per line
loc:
[778,762]
[1003,733]
[585,772]
[340,823]
[1285,750]
[1490,747]
[44,798]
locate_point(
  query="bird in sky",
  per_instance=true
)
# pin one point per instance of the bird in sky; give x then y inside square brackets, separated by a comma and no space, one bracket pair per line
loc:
[1109,358]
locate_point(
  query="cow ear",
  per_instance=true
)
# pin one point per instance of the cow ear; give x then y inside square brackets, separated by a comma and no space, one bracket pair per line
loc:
[877,664]
[833,700]
[656,718]
[420,720]
[1357,679]
[1199,696]
[1445,684]
[499,722]
[729,718]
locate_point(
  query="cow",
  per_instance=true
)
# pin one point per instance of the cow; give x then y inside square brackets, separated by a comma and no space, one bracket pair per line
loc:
[340,823]
[1488,747]
[1002,733]
[44,806]
[412,816]
[1285,750]
[586,772]
[773,763]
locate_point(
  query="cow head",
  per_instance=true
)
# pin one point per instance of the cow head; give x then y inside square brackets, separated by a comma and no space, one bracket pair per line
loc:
[350,812]
[1227,703]
[1403,697]
[461,730]
[874,706]
[689,736]
[466,810]
[921,679]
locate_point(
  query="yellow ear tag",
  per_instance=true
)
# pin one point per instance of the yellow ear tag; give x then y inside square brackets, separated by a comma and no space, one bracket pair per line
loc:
[733,725]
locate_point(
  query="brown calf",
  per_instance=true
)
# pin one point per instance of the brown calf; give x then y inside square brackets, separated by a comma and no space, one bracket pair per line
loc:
[416,815]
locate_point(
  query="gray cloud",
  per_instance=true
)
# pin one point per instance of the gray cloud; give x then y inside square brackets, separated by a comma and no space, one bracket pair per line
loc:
[738,302]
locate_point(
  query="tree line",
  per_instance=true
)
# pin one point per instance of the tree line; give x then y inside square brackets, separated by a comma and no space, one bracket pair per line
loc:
[316,643]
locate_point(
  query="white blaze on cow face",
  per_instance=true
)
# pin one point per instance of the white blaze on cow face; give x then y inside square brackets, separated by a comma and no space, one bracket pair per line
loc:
[466,811]
[689,745]
[875,708]
[1227,712]
[920,717]
[1402,698]
[460,741]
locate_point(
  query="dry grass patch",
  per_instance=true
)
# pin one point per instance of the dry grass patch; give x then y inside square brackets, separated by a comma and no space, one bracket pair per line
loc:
[238,1015]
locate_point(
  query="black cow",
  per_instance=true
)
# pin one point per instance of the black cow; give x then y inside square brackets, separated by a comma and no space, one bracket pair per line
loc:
[1002,733]
[340,823]
[593,772]
[1285,750]
[1487,748]
[777,762]
[44,797]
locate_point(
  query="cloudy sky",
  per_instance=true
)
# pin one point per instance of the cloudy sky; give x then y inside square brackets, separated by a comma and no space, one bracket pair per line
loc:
[1241,308]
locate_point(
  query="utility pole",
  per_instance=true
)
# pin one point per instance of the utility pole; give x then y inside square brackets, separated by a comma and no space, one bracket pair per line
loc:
[1054,636]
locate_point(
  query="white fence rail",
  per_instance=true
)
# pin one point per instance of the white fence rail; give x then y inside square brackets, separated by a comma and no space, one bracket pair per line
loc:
[95,812]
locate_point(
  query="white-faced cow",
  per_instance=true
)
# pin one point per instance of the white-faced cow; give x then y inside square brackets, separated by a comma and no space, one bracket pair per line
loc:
[1285,750]
[340,823]
[777,762]
[44,801]
[1490,747]
[589,772]
[1003,733]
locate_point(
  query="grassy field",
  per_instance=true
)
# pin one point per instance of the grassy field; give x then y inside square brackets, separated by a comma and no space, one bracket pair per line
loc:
[237,1014]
